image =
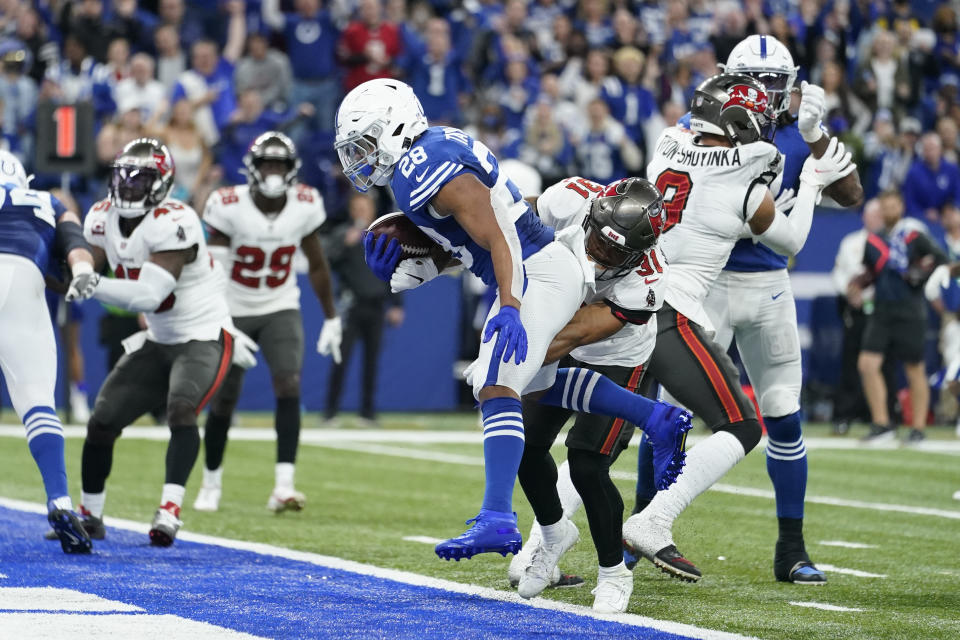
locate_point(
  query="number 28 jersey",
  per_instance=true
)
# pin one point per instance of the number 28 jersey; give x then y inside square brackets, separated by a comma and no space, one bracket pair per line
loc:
[709,194]
[260,278]
[633,297]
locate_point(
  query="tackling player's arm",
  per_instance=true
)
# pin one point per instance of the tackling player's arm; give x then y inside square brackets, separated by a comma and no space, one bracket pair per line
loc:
[847,191]
[157,280]
[468,201]
[319,272]
[591,323]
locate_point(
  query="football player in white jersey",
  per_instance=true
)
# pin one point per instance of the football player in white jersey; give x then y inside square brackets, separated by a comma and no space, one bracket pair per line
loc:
[254,230]
[613,334]
[716,178]
[156,248]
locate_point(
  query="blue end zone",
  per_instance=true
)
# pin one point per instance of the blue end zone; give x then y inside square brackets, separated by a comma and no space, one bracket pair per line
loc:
[272,596]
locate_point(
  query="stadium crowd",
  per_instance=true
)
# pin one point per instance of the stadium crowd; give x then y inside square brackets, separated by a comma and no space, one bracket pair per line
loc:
[568,87]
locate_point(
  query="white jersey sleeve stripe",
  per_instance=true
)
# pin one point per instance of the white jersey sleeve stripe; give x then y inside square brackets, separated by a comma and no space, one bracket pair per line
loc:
[428,181]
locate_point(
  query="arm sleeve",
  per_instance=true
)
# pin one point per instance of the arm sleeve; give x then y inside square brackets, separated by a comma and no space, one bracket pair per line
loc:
[144,294]
[787,234]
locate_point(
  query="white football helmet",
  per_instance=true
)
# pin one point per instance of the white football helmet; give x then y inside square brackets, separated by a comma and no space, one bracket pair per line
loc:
[767,59]
[376,124]
[12,171]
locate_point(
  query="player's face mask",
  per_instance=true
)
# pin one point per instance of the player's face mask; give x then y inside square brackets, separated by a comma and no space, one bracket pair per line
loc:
[362,160]
[273,182]
[131,187]
[610,259]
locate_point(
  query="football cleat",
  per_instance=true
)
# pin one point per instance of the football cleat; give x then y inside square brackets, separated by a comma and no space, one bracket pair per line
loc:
[521,560]
[629,559]
[91,524]
[956,495]
[165,525]
[794,565]
[208,498]
[286,500]
[492,532]
[612,595]
[643,536]
[666,430]
[538,575]
[915,436]
[70,531]
[880,435]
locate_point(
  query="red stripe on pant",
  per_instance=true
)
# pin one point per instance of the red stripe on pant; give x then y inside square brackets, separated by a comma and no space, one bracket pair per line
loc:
[617,427]
[225,359]
[711,368]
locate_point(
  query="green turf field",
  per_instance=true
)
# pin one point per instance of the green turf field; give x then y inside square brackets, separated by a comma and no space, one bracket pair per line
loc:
[364,498]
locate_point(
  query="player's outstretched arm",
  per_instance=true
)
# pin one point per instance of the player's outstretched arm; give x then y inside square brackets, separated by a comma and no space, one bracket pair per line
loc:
[78,254]
[319,272]
[846,191]
[590,324]
[157,280]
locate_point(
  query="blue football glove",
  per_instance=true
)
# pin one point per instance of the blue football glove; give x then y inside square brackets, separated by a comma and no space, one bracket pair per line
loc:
[511,336]
[381,256]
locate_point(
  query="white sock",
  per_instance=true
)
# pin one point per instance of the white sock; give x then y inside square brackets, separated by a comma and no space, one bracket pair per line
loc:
[213,477]
[553,533]
[569,498]
[284,475]
[93,502]
[172,493]
[706,464]
[63,502]
[612,572]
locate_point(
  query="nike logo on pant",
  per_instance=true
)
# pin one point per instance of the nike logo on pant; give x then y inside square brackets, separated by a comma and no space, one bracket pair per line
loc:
[778,295]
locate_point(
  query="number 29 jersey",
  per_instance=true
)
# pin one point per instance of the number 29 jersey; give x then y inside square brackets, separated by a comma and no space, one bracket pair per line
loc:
[633,297]
[260,278]
[709,194]
[197,308]
[438,156]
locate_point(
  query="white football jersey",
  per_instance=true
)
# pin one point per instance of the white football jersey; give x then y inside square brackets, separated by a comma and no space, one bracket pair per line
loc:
[261,277]
[709,194]
[197,308]
[566,204]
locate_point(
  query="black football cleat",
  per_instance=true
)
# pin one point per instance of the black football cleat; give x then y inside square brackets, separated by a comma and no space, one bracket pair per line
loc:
[671,561]
[795,566]
[70,531]
[91,524]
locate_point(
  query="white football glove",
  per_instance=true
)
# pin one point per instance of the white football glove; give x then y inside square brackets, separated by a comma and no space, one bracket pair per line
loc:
[244,349]
[813,107]
[331,335]
[937,282]
[413,272]
[836,163]
[785,201]
[85,280]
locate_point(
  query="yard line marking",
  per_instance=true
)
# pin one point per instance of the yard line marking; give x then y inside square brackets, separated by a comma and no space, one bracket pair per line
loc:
[824,607]
[423,539]
[850,572]
[406,577]
[52,599]
[847,545]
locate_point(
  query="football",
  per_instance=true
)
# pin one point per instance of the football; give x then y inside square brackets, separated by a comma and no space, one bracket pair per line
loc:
[413,242]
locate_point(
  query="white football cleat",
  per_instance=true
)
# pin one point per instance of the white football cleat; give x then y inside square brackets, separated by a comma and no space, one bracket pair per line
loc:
[286,500]
[208,499]
[539,573]
[521,561]
[612,595]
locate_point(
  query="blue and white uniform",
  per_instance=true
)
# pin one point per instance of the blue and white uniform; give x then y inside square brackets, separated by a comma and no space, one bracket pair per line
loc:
[555,275]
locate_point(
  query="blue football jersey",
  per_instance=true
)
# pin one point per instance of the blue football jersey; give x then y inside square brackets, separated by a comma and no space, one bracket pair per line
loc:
[748,255]
[437,157]
[28,223]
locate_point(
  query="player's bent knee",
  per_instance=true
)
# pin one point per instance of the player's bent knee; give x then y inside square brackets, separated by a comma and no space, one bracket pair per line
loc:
[780,401]
[587,468]
[181,412]
[286,385]
[496,391]
[748,432]
[100,433]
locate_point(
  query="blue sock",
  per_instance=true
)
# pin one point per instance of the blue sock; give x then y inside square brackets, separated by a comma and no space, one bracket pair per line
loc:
[787,464]
[590,392]
[646,487]
[502,450]
[45,439]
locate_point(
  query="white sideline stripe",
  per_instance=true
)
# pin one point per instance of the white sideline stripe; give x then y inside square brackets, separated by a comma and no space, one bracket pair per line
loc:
[52,599]
[423,539]
[824,607]
[56,626]
[406,577]
[847,545]
[850,572]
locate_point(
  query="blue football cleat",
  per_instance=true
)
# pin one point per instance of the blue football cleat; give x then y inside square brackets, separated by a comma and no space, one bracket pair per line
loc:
[492,532]
[629,559]
[666,430]
[73,537]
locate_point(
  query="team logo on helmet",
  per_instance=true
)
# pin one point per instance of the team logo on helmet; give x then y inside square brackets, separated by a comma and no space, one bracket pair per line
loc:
[161,161]
[747,97]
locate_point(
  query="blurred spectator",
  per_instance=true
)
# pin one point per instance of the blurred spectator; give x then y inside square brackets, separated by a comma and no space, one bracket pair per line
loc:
[171,58]
[885,166]
[491,129]
[606,153]
[630,102]
[368,303]
[627,30]
[72,80]
[582,83]
[264,70]
[518,94]
[731,28]
[840,100]
[436,74]
[18,101]
[311,39]
[132,23]
[369,46]
[34,33]
[595,22]
[932,182]
[84,20]
[189,29]
[545,144]
[140,89]
[947,130]
[567,115]
[882,81]
[947,50]
[127,126]
[209,84]
[194,177]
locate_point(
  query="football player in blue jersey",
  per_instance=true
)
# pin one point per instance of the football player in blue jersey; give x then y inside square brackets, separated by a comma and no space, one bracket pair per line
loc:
[36,229]
[752,301]
[451,186]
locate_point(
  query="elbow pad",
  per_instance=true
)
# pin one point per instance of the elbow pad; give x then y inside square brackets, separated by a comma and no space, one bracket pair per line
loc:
[142,295]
